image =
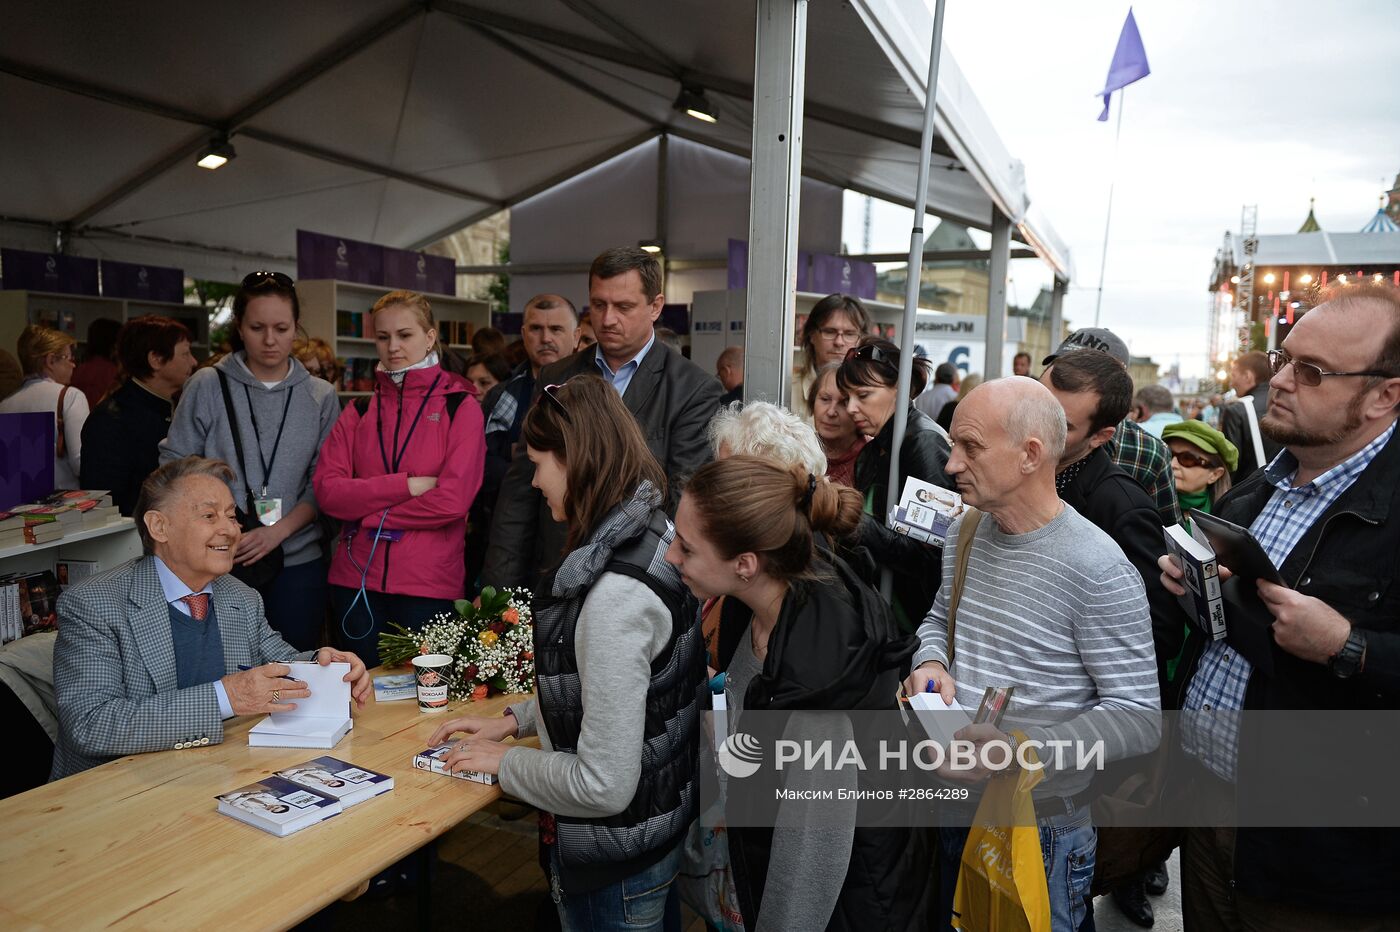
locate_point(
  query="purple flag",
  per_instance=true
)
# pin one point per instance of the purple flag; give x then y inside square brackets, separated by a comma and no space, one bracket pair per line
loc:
[1129,62]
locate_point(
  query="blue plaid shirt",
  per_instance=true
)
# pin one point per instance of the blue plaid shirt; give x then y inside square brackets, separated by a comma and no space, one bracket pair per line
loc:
[1223,675]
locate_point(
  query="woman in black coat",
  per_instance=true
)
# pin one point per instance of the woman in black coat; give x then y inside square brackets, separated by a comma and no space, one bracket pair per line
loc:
[869,377]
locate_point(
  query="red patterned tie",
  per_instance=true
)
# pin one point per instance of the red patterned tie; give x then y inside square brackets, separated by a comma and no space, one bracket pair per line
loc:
[198,603]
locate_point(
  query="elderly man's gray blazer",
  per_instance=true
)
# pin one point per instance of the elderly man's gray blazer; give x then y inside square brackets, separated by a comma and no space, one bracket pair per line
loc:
[114,667]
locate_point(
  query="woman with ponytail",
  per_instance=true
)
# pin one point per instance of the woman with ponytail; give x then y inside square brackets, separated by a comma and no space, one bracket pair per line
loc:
[816,638]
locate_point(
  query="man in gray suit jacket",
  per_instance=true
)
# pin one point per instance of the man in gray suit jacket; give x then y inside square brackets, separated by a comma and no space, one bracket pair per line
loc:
[148,654]
[672,399]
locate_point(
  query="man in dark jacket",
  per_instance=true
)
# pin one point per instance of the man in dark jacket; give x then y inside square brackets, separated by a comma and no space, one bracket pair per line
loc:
[1096,393]
[121,438]
[1327,513]
[548,333]
[672,399]
[1249,377]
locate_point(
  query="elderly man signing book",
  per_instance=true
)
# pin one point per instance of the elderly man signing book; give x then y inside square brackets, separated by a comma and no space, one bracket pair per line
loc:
[155,654]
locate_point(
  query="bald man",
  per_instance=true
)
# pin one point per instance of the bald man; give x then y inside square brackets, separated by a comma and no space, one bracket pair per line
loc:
[730,369]
[1049,605]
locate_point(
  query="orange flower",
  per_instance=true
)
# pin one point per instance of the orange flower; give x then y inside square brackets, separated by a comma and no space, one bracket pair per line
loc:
[479,691]
[511,616]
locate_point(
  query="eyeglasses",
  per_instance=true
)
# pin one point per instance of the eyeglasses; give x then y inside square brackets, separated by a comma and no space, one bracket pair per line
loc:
[1308,374]
[873,353]
[834,335]
[1191,460]
[263,276]
[549,392]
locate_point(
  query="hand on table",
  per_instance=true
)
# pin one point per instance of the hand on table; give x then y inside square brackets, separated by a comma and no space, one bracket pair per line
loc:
[263,689]
[361,685]
[482,749]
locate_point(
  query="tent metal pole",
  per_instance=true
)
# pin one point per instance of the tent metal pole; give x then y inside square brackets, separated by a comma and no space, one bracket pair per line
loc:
[913,280]
[997,271]
[1057,312]
[780,53]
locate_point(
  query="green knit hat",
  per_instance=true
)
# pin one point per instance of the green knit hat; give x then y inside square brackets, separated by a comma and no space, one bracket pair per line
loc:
[1207,438]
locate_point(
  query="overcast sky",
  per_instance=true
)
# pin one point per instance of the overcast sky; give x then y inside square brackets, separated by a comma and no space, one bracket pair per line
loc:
[1253,102]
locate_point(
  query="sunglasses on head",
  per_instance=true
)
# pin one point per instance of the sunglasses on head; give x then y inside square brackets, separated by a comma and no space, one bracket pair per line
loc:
[263,276]
[1189,460]
[549,391]
[1308,374]
[873,353]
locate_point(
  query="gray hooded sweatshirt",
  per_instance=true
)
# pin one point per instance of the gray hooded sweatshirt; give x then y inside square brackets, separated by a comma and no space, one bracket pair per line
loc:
[201,428]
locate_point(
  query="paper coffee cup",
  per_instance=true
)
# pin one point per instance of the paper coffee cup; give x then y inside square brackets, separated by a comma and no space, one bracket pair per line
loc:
[431,671]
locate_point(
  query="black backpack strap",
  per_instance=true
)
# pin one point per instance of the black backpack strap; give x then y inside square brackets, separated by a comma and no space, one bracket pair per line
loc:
[361,405]
[236,434]
[454,401]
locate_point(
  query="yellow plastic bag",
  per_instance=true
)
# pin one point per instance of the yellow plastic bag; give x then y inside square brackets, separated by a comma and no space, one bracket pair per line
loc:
[1001,883]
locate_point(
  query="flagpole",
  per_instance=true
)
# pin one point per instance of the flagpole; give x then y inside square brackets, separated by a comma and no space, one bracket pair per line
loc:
[1108,218]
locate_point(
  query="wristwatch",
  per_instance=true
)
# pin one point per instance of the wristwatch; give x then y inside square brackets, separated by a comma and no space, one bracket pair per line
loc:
[1348,661]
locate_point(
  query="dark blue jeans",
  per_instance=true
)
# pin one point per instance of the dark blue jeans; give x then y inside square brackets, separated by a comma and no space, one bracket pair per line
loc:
[647,900]
[295,603]
[359,630]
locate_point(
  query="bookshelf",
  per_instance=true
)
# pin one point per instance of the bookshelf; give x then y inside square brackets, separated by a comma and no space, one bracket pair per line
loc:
[324,300]
[75,313]
[110,545]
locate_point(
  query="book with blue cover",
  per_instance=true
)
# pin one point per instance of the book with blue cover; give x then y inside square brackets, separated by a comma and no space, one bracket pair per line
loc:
[434,760]
[278,806]
[343,780]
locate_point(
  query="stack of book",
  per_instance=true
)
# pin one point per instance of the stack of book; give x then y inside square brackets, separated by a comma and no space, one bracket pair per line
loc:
[311,792]
[925,511]
[54,516]
[456,332]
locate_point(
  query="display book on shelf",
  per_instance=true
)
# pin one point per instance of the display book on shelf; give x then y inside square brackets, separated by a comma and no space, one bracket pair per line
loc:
[74,314]
[338,312]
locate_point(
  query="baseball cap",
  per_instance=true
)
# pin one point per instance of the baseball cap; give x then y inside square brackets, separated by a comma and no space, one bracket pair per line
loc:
[1094,338]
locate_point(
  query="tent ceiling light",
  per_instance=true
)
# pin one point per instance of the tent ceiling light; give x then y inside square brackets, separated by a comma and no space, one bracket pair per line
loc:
[216,155]
[653,246]
[692,102]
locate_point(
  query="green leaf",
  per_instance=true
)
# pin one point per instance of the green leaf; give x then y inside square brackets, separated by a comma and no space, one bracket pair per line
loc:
[463,607]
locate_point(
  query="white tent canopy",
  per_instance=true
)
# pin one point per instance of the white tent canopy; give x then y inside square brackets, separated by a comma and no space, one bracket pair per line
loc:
[401,123]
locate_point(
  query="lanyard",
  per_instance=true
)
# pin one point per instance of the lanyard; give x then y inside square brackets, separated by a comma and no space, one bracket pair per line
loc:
[399,451]
[267,464]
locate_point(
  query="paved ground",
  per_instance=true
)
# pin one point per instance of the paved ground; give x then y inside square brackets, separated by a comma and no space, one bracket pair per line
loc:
[1166,908]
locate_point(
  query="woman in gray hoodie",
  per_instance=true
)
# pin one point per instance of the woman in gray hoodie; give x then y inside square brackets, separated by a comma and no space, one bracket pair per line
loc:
[283,415]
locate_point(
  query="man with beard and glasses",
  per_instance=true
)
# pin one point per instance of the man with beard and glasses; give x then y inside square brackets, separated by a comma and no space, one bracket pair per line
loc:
[1327,512]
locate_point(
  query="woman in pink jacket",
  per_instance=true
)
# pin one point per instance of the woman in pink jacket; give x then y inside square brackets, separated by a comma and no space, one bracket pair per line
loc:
[400,471]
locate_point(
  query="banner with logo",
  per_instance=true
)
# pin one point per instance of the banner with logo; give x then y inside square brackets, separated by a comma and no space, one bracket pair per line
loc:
[348,260]
[142,282]
[21,269]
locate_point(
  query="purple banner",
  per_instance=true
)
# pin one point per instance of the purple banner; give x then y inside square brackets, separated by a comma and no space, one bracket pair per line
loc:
[804,270]
[832,274]
[345,260]
[144,282]
[42,271]
[418,271]
[738,264]
[508,323]
[26,457]
[676,317]
[348,260]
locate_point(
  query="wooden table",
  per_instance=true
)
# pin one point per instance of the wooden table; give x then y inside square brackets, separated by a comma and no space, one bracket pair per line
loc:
[137,843]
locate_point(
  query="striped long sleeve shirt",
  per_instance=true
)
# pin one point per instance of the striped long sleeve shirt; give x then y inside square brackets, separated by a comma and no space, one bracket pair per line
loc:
[1060,614]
